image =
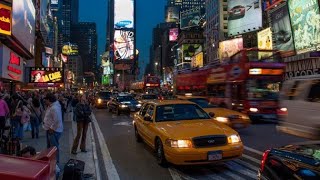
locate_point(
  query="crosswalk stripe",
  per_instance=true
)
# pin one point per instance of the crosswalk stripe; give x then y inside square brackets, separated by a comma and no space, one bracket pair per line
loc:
[226,171]
[239,161]
[209,175]
[241,169]
[250,158]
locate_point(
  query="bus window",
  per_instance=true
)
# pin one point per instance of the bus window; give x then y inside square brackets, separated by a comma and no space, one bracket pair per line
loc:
[217,90]
[262,89]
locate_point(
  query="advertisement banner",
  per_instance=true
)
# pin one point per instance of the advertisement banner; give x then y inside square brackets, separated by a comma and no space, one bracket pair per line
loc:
[46,75]
[5,20]
[189,50]
[244,16]
[23,23]
[70,49]
[305,22]
[305,67]
[197,60]
[172,14]
[265,42]
[105,80]
[45,16]
[190,18]
[11,65]
[229,48]
[123,45]
[123,14]
[173,34]
[281,30]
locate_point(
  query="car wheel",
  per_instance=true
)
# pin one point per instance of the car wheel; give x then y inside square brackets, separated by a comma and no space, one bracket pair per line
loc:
[137,135]
[161,159]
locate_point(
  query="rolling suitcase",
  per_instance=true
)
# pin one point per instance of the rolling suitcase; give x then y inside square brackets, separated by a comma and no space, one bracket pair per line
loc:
[73,170]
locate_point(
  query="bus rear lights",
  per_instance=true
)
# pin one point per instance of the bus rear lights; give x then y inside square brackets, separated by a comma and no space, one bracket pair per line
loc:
[254,109]
[255,71]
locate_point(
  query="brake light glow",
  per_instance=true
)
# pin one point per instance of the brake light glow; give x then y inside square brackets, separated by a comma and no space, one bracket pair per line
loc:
[264,158]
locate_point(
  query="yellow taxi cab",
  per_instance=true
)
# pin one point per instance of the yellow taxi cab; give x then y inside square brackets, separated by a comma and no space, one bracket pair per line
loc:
[234,119]
[182,133]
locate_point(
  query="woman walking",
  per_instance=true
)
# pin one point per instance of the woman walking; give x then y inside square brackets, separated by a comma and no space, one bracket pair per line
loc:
[82,112]
[35,117]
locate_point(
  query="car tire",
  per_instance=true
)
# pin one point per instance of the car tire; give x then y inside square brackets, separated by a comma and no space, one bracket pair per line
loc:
[161,159]
[137,135]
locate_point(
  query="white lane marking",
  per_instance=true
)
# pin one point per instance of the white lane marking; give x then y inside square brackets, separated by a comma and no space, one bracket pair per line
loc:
[125,123]
[178,175]
[110,168]
[241,169]
[251,158]
[246,165]
[253,150]
[95,156]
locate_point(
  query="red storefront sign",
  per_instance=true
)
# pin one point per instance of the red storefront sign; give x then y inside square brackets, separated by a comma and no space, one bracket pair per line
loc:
[5,20]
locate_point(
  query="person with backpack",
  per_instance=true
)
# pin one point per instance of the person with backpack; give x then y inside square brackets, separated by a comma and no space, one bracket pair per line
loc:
[82,112]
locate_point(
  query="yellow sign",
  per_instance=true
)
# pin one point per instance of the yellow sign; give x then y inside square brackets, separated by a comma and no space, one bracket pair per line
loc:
[53,77]
[265,42]
[70,50]
[5,20]
[197,60]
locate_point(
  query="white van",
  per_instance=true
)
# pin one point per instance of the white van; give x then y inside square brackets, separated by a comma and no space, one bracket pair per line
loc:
[300,100]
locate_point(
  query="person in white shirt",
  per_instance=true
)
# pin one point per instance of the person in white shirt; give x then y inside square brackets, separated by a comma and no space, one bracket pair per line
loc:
[52,122]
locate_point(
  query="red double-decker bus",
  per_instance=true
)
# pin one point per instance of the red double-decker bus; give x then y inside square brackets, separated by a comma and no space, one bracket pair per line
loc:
[149,84]
[248,82]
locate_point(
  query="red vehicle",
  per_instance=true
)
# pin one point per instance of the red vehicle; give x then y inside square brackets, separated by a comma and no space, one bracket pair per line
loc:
[237,12]
[150,84]
[249,82]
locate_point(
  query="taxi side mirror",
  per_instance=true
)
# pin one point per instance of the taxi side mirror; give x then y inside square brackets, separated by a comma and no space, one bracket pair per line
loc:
[147,118]
[211,114]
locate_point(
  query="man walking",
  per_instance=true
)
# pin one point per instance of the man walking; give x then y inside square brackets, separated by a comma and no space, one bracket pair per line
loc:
[52,122]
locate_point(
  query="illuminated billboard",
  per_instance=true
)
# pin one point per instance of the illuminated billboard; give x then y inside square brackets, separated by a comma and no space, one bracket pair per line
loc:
[5,19]
[172,14]
[173,34]
[45,16]
[189,50]
[229,48]
[197,60]
[70,49]
[23,23]
[46,75]
[265,42]
[190,18]
[123,14]
[281,30]
[123,45]
[305,20]
[244,16]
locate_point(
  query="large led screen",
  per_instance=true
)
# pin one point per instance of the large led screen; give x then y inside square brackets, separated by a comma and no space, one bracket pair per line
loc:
[46,75]
[229,48]
[305,23]
[172,14]
[190,18]
[123,14]
[244,16]
[123,45]
[189,50]
[173,34]
[23,23]
[281,30]
[45,16]
[5,19]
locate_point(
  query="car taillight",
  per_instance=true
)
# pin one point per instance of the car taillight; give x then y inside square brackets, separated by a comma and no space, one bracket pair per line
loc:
[264,158]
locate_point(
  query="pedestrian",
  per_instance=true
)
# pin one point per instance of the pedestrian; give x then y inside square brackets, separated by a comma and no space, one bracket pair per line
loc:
[75,101]
[4,112]
[83,112]
[63,106]
[35,117]
[52,122]
[21,116]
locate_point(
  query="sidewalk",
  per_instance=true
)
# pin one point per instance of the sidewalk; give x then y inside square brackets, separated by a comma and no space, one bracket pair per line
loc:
[66,141]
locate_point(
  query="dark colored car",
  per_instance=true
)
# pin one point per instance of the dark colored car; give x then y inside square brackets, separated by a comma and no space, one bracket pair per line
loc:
[123,103]
[300,161]
[283,36]
[102,98]
[237,12]
[145,97]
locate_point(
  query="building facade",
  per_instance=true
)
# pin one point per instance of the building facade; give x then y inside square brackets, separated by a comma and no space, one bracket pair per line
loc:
[187,4]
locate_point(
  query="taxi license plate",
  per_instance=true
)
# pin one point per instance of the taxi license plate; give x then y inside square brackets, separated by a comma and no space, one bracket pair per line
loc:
[269,116]
[214,155]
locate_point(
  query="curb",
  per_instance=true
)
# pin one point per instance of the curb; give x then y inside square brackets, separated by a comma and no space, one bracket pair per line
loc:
[95,156]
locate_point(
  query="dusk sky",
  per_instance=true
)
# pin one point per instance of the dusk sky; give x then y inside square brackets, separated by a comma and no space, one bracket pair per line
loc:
[149,13]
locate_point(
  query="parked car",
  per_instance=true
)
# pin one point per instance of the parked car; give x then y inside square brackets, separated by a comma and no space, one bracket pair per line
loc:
[294,162]
[101,99]
[237,12]
[182,133]
[123,103]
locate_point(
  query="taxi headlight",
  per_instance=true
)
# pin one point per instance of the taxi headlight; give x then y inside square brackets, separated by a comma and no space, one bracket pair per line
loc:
[123,106]
[179,143]
[99,100]
[222,119]
[254,109]
[234,139]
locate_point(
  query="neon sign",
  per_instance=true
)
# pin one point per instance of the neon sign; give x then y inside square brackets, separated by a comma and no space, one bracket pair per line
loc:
[5,20]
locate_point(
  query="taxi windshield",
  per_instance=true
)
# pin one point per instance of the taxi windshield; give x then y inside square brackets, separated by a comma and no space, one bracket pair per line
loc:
[202,102]
[178,112]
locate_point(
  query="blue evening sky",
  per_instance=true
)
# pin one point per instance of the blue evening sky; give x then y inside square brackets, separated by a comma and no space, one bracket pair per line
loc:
[149,13]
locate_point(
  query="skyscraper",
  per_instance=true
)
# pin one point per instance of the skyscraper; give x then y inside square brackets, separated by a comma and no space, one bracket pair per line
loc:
[84,34]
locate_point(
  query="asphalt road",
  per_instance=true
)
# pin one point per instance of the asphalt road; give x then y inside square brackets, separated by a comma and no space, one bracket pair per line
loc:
[122,158]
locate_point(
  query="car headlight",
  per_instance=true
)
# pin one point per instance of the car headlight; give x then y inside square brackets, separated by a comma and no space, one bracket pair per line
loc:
[138,105]
[179,143]
[222,119]
[254,109]
[234,139]
[284,109]
[123,106]
[99,100]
